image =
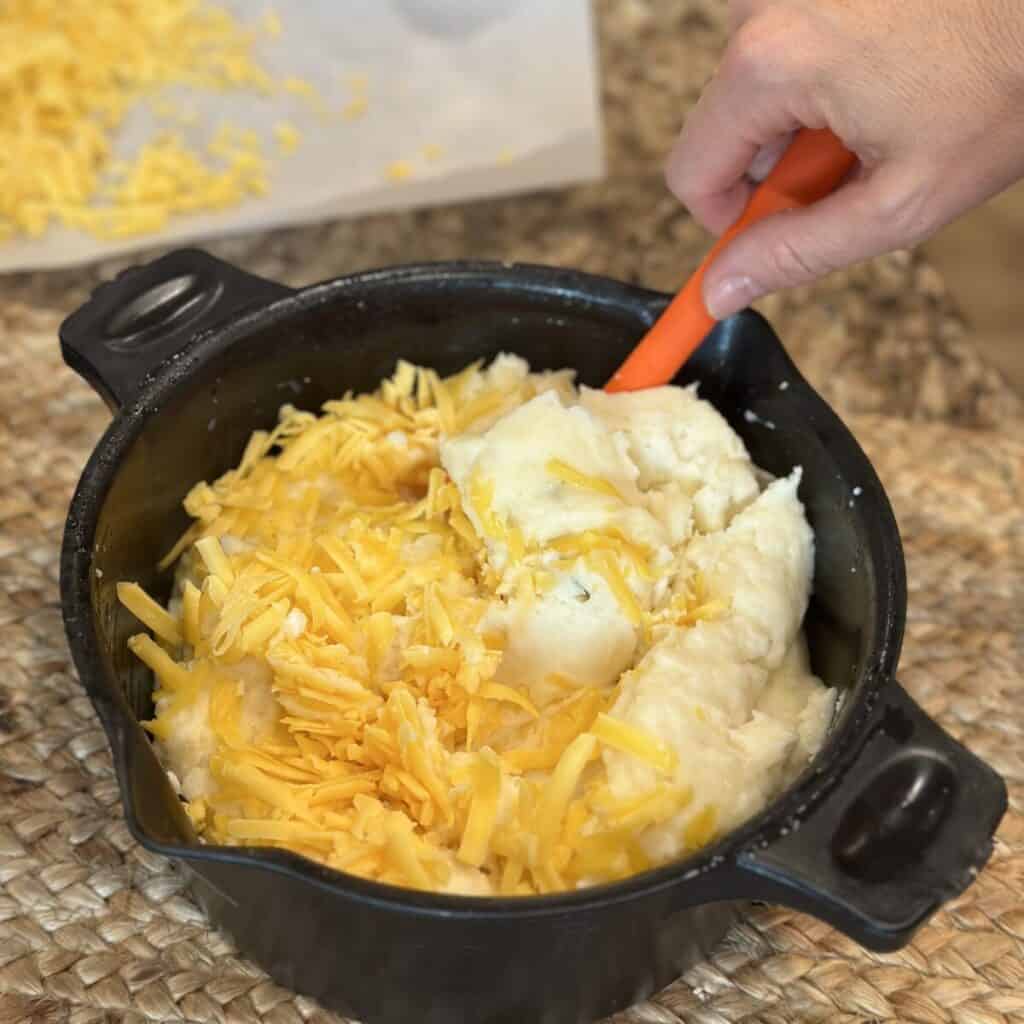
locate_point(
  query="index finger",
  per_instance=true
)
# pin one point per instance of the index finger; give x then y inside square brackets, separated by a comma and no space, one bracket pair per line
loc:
[733,121]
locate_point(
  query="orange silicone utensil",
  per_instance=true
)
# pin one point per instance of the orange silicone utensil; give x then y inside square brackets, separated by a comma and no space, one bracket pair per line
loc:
[813,166]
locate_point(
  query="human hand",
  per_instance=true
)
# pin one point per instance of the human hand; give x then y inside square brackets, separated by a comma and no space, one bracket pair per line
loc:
[928,93]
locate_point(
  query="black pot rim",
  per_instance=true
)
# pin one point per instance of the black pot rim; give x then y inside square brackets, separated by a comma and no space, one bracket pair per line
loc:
[130,421]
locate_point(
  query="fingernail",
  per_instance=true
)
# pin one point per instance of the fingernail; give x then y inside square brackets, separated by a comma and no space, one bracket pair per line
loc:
[730,295]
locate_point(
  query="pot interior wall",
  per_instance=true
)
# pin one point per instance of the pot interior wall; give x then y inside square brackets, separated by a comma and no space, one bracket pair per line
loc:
[346,342]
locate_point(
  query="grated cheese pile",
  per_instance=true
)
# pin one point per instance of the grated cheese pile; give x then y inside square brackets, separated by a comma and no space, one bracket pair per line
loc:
[485,634]
[69,72]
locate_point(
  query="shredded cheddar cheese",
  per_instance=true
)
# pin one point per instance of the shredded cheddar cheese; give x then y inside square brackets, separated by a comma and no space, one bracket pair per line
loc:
[71,71]
[146,610]
[271,23]
[399,170]
[288,137]
[631,740]
[568,474]
[607,566]
[334,579]
[355,108]
[307,92]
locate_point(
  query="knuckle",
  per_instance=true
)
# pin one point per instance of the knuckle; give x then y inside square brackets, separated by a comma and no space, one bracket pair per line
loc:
[904,213]
[792,263]
[768,47]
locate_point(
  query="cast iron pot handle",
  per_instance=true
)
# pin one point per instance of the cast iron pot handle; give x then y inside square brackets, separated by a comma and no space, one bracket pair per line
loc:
[131,324]
[908,827]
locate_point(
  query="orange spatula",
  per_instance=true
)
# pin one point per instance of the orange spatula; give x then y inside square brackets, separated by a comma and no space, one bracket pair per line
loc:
[813,166]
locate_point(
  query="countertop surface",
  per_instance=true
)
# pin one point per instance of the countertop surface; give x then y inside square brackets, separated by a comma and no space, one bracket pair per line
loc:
[94,928]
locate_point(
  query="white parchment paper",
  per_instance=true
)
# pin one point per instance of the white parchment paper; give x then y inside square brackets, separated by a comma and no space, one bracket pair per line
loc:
[477,97]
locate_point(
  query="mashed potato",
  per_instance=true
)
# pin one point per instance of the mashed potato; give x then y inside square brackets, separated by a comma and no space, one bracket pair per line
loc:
[488,634]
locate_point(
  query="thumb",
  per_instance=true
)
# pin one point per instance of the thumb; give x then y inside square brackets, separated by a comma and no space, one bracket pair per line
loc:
[864,218]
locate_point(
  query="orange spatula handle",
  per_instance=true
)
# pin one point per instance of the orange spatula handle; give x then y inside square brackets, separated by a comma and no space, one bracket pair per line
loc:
[813,166]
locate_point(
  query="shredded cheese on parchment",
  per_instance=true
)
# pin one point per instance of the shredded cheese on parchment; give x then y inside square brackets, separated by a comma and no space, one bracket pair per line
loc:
[338,555]
[70,71]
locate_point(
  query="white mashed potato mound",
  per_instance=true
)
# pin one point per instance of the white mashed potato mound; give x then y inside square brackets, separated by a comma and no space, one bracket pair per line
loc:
[627,547]
[680,445]
[577,629]
[729,695]
[734,698]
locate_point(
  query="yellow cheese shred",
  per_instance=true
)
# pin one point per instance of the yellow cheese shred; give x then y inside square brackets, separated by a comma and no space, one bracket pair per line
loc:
[216,561]
[632,740]
[190,598]
[607,566]
[288,136]
[149,613]
[497,691]
[399,170]
[483,810]
[562,785]
[570,475]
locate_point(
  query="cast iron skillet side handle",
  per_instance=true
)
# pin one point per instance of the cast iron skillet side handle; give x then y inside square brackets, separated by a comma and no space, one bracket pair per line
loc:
[131,324]
[909,827]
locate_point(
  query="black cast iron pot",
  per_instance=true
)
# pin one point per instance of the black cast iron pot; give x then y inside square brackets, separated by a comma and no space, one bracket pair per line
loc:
[893,818]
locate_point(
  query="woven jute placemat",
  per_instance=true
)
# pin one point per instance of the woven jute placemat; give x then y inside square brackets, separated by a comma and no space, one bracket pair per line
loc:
[93,928]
